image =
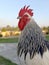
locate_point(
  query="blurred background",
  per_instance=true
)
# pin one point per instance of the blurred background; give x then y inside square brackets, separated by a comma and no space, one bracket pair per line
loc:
[9,11]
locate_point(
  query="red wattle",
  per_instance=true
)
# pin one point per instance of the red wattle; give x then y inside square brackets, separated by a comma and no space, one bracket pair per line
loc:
[21,25]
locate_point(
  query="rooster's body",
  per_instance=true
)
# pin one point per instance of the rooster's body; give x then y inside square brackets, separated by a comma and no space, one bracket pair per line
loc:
[32,42]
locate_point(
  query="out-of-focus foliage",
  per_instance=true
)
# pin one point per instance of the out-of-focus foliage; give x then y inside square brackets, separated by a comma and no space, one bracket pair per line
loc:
[45,30]
[9,28]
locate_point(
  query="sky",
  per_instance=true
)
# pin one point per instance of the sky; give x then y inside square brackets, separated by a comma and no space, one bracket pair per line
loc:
[9,10]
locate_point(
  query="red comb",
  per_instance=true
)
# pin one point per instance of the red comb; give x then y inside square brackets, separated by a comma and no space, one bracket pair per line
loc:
[24,10]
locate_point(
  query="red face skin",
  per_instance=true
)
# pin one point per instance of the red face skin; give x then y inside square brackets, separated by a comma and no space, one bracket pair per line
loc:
[23,21]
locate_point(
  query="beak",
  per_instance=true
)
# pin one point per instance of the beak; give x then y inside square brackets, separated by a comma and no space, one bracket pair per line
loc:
[18,17]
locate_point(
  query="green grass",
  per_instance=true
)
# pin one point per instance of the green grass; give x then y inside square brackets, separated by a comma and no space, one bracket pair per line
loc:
[4,61]
[9,40]
[14,40]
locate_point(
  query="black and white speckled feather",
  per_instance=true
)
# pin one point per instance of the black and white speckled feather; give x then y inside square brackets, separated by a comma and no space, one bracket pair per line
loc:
[32,41]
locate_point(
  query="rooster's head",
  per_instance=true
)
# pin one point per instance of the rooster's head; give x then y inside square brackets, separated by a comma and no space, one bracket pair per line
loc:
[24,17]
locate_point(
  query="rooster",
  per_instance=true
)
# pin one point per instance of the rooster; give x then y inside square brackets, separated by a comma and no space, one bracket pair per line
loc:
[32,45]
